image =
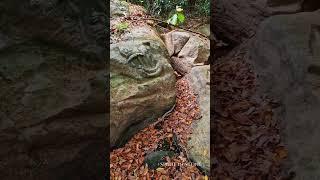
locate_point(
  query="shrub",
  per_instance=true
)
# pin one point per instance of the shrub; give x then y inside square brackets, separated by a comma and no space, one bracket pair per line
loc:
[166,8]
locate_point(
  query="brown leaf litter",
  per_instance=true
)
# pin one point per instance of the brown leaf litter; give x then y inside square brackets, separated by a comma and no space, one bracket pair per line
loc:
[246,141]
[127,162]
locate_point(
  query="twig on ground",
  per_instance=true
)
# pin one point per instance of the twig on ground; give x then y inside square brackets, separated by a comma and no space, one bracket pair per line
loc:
[165,115]
[177,27]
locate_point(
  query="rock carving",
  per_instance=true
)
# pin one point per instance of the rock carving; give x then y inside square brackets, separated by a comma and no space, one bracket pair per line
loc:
[138,62]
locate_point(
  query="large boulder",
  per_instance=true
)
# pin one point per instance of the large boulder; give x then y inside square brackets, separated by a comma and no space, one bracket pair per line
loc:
[236,21]
[286,57]
[280,6]
[52,79]
[186,50]
[119,8]
[188,46]
[198,146]
[142,81]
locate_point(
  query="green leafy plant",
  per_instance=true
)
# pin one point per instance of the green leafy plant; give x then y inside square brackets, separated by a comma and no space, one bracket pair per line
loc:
[202,8]
[162,8]
[177,18]
[122,26]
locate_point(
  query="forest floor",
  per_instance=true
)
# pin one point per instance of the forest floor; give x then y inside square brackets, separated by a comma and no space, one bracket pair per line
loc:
[128,162]
[246,137]
[246,140]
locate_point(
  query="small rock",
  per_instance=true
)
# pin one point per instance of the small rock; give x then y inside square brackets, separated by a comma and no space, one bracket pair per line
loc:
[156,158]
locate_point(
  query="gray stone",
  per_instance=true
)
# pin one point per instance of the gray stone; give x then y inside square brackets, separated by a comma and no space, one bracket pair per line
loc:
[118,8]
[204,29]
[199,144]
[236,21]
[190,47]
[156,158]
[285,54]
[52,79]
[196,50]
[142,81]
[179,39]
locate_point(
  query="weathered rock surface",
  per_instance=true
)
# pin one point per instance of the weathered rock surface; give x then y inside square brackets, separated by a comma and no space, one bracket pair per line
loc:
[236,21]
[293,6]
[186,50]
[142,82]
[199,144]
[118,8]
[191,47]
[185,53]
[285,54]
[204,29]
[52,79]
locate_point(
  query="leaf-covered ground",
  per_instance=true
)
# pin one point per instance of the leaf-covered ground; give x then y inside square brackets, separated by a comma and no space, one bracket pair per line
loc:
[246,140]
[128,162]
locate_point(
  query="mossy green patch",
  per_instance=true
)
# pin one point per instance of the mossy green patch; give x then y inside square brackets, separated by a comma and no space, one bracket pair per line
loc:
[121,27]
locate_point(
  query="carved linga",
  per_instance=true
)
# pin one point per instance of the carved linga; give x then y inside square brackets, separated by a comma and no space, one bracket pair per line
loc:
[141,60]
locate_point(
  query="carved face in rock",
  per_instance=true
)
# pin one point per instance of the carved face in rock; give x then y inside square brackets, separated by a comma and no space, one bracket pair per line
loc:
[137,59]
[142,85]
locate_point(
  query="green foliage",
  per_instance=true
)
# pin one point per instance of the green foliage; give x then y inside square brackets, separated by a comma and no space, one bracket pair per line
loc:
[122,26]
[202,8]
[165,8]
[177,18]
[160,8]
